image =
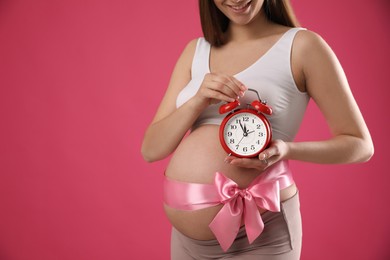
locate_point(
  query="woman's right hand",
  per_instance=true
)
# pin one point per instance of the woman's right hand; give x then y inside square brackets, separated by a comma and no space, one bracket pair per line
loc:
[218,87]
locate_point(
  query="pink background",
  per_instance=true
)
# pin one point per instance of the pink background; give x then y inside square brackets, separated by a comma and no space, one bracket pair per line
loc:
[81,80]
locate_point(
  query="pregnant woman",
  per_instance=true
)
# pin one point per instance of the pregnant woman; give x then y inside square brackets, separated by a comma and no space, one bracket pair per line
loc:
[225,206]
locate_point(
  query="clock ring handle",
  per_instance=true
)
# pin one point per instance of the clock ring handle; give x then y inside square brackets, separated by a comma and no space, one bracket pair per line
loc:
[260,105]
[257,93]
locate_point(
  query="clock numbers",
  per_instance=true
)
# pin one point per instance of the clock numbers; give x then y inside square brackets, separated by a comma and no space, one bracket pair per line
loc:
[245,133]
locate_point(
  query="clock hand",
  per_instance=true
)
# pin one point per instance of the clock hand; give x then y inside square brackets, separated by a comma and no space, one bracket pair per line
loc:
[250,132]
[241,140]
[245,130]
[241,126]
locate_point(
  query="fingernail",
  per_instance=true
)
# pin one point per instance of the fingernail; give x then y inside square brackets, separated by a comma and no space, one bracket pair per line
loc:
[227,160]
[242,93]
[243,87]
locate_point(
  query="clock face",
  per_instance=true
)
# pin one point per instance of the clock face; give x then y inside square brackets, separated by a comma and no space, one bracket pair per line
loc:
[245,133]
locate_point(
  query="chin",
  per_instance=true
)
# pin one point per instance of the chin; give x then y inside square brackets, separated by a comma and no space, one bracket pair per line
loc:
[240,13]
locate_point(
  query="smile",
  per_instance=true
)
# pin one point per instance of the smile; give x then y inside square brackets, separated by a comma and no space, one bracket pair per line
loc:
[241,8]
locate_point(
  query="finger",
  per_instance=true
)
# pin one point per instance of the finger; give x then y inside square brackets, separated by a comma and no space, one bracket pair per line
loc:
[240,88]
[213,94]
[227,86]
[223,86]
[229,158]
[215,83]
[239,84]
[248,163]
[228,83]
[269,152]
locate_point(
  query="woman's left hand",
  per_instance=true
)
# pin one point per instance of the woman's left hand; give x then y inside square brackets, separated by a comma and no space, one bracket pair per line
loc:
[275,152]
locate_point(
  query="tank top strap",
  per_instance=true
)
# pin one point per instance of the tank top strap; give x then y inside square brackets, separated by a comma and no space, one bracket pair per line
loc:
[290,34]
[200,63]
[279,56]
[288,38]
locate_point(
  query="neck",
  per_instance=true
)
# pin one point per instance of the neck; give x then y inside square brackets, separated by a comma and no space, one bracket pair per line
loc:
[253,30]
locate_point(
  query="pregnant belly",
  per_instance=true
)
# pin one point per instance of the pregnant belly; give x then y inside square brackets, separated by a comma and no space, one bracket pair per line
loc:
[196,160]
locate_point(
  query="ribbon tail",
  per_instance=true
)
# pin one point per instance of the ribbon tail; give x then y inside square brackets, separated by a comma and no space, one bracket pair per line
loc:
[254,225]
[226,225]
[269,198]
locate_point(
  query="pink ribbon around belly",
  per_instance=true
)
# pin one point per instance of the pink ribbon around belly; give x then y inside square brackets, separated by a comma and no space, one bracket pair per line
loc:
[238,203]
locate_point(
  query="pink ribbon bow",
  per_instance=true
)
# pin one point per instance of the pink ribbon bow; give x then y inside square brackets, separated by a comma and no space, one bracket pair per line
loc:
[239,204]
[242,204]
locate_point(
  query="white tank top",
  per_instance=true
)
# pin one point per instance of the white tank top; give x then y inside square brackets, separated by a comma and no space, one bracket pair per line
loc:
[270,75]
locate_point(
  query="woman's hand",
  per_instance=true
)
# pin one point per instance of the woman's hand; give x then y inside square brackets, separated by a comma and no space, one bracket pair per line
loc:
[219,87]
[277,151]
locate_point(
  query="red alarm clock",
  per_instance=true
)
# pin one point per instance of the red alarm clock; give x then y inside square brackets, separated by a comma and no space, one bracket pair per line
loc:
[245,133]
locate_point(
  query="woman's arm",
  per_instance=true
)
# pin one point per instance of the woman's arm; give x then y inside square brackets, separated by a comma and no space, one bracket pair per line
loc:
[328,86]
[326,83]
[170,124]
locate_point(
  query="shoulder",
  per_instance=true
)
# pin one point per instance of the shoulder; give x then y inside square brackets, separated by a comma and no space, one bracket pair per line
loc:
[190,48]
[305,35]
[188,53]
[191,45]
[310,57]
[312,50]
[308,42]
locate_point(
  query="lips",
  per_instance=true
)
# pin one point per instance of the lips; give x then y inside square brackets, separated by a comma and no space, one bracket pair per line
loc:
[241,7]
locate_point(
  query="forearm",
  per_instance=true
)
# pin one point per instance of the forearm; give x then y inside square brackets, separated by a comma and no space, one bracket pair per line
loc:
[338,150]
[162,137]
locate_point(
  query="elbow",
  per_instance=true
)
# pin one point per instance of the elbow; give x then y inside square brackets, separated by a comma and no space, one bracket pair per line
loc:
[147,155]
[151,154]
[147,158]
[369,152]
[148,151]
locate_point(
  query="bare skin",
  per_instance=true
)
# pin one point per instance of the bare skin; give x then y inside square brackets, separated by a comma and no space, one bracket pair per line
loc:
[315,69]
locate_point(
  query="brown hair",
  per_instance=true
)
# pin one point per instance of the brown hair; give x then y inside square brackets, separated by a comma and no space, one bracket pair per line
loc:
[215,23]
